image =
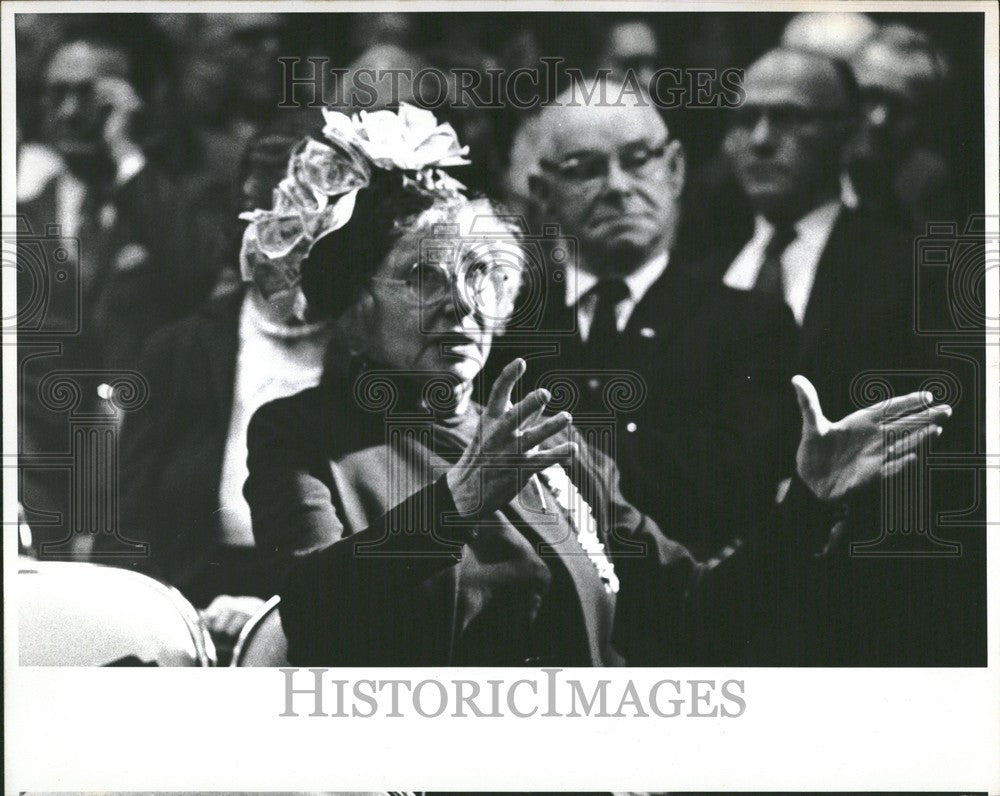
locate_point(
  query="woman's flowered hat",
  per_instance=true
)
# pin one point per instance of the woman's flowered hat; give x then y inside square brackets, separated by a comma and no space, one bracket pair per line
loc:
[318,194]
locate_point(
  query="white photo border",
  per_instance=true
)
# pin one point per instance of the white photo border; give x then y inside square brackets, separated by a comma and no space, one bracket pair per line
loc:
[803,729]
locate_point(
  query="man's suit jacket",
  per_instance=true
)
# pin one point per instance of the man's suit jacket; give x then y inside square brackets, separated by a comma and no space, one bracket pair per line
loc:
[142,278]
[887,610]
[386,575]
[171,463]
[92,328]
[715,432]
[860,312]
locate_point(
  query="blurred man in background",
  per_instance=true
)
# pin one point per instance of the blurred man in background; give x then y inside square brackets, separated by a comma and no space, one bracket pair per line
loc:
[630,46]
[185,451]
[849,283]
[846,280]
[238,84]
[125,276]
[835,35]
[899,176]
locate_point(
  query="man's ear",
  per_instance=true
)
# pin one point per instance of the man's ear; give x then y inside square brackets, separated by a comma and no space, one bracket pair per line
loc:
[676,166]
[538,190]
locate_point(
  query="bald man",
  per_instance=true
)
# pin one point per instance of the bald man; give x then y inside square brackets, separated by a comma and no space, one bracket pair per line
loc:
[848,282]
[834,34]
[845,279]
[707,359]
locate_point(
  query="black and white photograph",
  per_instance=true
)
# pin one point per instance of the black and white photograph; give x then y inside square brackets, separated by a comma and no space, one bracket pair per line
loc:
[500,338]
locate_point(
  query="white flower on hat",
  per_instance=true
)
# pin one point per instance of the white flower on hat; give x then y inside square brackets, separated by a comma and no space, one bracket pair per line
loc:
[410,140]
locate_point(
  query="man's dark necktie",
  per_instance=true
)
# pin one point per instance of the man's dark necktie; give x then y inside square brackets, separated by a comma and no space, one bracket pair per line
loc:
[770,281]
[604,327]
[90,236]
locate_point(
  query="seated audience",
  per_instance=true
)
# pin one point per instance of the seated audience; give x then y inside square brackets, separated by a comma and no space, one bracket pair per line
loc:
[430,530]
[702,279]
[184,453]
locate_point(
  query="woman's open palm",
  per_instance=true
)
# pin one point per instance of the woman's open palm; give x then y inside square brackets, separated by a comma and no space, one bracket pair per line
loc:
[505,452]
[835,458]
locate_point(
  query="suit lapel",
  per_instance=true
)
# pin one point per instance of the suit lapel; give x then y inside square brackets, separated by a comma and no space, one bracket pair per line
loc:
[830,282]
[667,306]
[553,539]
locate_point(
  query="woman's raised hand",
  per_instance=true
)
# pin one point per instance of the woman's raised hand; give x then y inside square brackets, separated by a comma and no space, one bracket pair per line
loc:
[878,441]
[508,447]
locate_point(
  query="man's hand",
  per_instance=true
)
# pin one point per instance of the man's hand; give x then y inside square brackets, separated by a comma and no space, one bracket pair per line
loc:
[121,104]
[504,453]
[875,442]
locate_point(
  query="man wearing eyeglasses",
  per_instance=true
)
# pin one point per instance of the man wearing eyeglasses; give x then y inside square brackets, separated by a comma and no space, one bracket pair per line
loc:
[848,282]
[845,279]
[703,362]
[113,265]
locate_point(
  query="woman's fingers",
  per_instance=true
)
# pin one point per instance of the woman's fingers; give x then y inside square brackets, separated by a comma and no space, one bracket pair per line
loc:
[559,454]
[933,415]
[890,469]
[527,420]
[540,432]
[933,418]
[903,405]
[502,387]
[911,440]
[535,401]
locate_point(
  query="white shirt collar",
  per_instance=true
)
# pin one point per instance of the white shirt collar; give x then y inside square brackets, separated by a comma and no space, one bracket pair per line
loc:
[814,225]
[70,194]
[579,282]
[37,166]
[800,260]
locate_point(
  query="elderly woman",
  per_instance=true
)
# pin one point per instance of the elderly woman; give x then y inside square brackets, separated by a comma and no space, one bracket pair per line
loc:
[429,530]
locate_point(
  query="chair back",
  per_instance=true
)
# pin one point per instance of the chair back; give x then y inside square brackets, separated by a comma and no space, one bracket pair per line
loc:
[79,614]
[262,641]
